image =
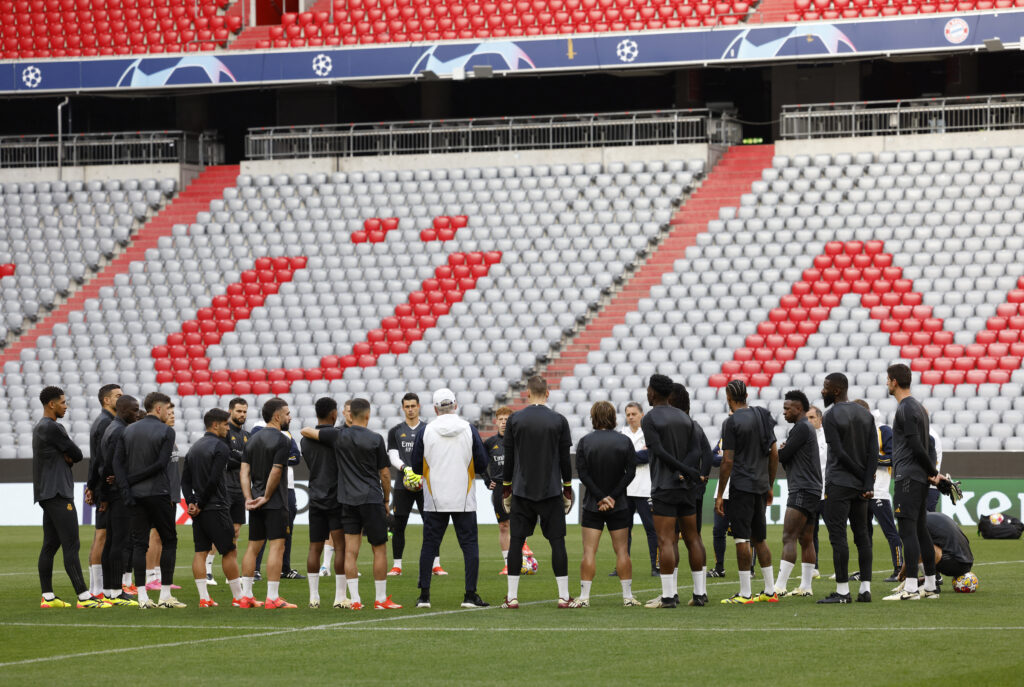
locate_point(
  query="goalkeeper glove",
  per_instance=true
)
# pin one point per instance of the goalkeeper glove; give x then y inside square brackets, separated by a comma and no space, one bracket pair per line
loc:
[411,479]
[568,498]
[506,496]
[951,488]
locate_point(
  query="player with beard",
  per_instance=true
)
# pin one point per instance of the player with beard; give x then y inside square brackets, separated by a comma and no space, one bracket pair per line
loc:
[849,481]
[799,457]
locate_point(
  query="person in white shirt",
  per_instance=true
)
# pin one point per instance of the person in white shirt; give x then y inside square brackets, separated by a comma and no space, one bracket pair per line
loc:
[638,493]
[815,417]
[448,453]
[881,501]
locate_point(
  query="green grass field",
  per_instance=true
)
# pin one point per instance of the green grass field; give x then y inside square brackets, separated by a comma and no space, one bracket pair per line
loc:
[959,639]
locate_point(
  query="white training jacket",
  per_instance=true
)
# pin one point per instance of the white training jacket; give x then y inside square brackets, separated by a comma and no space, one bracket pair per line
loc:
[449,453]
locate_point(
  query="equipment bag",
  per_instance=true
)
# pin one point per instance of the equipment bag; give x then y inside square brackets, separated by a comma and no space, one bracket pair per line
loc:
[1000,526]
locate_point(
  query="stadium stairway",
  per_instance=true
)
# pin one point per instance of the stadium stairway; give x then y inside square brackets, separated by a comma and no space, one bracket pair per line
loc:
[182,209]
[727,181]
[771,11]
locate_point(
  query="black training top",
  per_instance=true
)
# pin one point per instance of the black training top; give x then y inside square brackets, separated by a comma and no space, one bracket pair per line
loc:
[401,438]
[748,434]
[606,464]
[948,536]
[537,462]
[668,433]
[202,476]
[147,447]
[360,456]
[323,472]
[852,446]
[800,458]
[51,474]
[496,450]
[110,446]
[263,451]
[99,426]
[910,456]
[236,440]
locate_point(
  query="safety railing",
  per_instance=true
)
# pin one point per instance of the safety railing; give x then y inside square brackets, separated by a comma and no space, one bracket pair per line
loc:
[901,117]
[493,134]
[117,148]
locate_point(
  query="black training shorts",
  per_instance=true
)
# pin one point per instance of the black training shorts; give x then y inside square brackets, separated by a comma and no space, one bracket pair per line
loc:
[806,501]
[499,508]
[213,528]
[950,567]
[268,524]
[615,519]
[101,518]
[370,519]
[675,503]
[323,522]
[237,510]
[526,512]
[910,499]
[746,513]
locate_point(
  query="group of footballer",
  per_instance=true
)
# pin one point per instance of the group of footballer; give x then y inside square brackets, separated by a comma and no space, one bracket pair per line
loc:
[228,474]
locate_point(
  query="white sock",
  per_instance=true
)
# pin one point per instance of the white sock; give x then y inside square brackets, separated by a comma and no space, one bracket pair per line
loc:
[328,556]
[703,591]
[353,590]
[236,588]
[151,575]
[806,575]
[675,581]
[111,592]
[340,581]
[745,583]
[381,589]
[563,586]
[585,588]
[201,586]
[666,586]
[95,579]
[929,583]
[398,563]
[165,592]
[209,564]
[437,562]
[697,576]
[143,597]
[49,596]
[504,556]
[314,587]
[865,587]
[768,575]
[126,580]
[627,589]
[910,585]
[247,587]
[513,586]
[842,587]
[273,589]
[84,595]
[785,569]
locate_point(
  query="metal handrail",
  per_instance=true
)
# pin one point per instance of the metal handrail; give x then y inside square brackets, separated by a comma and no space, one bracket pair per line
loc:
[112,148]
[902,117]
[489,134]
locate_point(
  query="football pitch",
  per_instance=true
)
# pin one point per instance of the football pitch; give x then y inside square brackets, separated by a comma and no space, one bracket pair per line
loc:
[966,639]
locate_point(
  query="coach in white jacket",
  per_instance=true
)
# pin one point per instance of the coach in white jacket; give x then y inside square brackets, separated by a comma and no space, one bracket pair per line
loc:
[448,453]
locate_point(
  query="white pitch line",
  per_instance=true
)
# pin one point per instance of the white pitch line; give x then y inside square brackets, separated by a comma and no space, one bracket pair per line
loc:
[519,630]
[368,621]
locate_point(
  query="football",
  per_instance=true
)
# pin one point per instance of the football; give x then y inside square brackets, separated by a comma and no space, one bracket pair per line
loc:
[529,566]
[966,583]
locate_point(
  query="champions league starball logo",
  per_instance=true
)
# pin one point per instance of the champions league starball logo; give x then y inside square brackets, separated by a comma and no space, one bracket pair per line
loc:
[155,72]
[445,59]
[31,76]
[753,44]
[322,65]
[627,50]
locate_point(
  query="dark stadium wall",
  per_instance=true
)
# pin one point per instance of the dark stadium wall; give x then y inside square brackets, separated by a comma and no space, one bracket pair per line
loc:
[757,91]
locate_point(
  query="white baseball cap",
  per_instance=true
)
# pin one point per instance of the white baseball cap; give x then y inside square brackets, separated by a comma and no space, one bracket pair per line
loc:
[443,397]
